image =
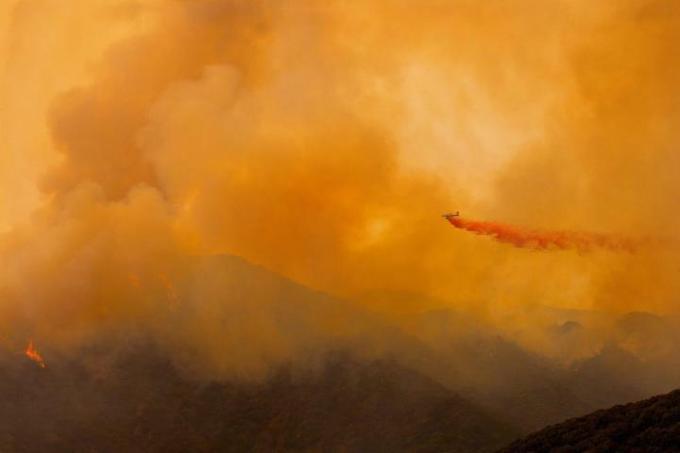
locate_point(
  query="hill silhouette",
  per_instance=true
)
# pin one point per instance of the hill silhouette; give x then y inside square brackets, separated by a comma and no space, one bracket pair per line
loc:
[142,404]
[359,383]
[651,425]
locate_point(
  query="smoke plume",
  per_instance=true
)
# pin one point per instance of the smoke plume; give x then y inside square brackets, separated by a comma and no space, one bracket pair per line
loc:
[320,141]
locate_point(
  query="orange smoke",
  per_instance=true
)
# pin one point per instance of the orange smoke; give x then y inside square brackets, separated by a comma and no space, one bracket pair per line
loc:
[545,240]
[33,354]
[169,286]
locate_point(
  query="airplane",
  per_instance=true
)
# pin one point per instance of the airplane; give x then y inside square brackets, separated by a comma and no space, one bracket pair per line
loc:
[451,214]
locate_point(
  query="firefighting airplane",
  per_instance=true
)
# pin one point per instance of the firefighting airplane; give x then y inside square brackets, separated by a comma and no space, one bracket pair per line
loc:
[451,214]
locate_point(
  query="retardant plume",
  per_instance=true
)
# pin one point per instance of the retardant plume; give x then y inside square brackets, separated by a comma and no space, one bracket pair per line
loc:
[544,240]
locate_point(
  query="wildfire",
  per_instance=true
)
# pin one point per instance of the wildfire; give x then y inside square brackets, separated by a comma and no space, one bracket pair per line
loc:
[33,354]
[544,240]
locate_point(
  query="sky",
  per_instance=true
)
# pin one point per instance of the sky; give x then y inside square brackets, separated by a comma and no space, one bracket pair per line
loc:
[323,141]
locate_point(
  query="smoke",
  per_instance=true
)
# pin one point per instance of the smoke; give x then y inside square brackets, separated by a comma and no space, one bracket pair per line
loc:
[544,240]
[322,142]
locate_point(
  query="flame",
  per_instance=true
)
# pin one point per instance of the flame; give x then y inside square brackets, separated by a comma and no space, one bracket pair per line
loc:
[33,354]
[545,240]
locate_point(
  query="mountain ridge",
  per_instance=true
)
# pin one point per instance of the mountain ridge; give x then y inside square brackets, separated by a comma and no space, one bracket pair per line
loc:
[651,425]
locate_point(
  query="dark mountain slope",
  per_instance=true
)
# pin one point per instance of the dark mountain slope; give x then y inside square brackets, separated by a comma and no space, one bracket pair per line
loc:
[142,388]
[652,425]
[142,404]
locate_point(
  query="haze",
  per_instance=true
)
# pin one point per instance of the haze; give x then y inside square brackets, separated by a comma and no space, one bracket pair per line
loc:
[322,141]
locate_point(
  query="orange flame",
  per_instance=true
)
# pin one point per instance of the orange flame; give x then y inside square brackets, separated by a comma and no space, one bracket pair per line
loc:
[33,354]
[544,240]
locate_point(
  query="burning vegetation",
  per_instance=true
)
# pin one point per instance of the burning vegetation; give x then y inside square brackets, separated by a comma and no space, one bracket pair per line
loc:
[32,353]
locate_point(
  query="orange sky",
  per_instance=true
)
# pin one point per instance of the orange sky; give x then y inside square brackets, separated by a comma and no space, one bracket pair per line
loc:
[324,141]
